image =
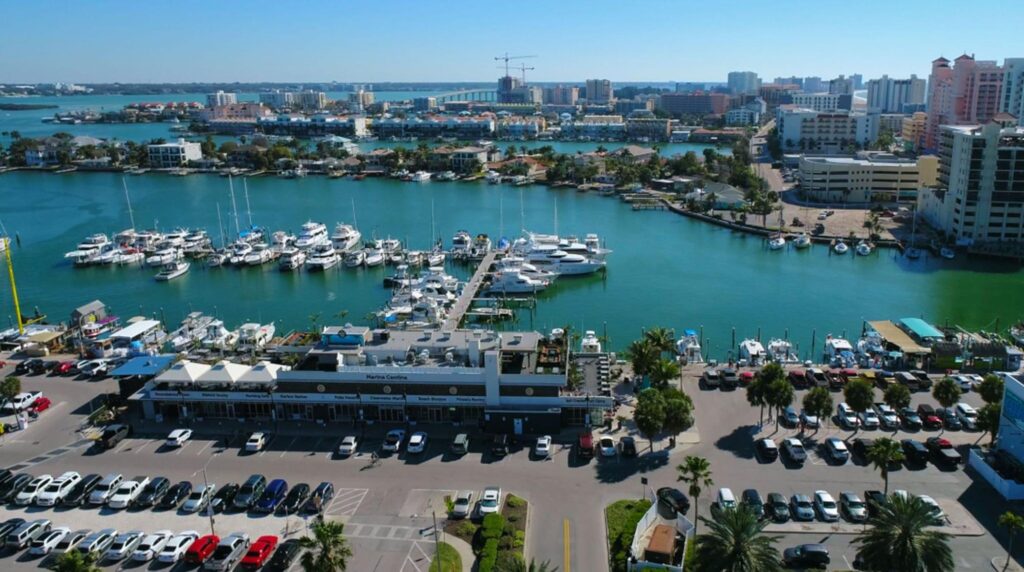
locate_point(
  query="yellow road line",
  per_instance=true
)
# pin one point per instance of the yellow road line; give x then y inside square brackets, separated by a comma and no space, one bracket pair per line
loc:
[565,545]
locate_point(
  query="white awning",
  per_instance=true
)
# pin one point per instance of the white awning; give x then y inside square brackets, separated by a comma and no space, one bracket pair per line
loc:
[183,373]
[263,373]
[224,373]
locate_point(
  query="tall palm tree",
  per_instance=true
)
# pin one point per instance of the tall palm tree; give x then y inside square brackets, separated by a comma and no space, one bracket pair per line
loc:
[899,538]
[1013,523]
[660,338]
[884,453]
[695,472]
[735,543]
[517,564]
[663,371]
[327,549]
[642,355]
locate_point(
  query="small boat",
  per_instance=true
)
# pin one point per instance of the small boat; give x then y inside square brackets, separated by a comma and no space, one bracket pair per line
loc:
[947,253]
[590,344]
[778,242]
[374,257]
[415,257]
[217,258]
[420,177]
[173,270]
[260,254]
[493,177]
[512,282]
[322,257]
[436,258]
[912,253]
[446,176]
[164,257]
[291,259]
[840,247]
[239,250]
[863,248]
[129,255]
[802,241]
[355,258]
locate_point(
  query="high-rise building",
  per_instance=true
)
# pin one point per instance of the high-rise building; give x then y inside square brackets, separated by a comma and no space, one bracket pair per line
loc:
[360,99]
[743,83]
[813,84]
[841,85]
[220,98]
[966,93]
[858,81]
[792,80]
[824,132]
[561,95]
[913,130]
[599,91]
[980,194]
[889,95]
[1012,99]
[311,100]
[277,99]
[820,101]
[694,103]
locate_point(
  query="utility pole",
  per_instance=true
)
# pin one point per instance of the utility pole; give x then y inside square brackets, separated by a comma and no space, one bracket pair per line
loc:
[437,545]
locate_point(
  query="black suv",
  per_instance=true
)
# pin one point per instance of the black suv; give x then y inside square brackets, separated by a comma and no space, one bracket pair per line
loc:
[112,435]
[250,492]
[914,452]
[152,492]
[672,501]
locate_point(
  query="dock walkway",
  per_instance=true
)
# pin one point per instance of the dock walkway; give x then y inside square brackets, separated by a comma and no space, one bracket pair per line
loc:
[465,300]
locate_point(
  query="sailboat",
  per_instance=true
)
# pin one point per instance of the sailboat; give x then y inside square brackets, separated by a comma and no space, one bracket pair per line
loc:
[912,252]
[777,242]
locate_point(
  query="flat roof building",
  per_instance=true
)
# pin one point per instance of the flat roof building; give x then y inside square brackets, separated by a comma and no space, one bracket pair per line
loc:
[868,177]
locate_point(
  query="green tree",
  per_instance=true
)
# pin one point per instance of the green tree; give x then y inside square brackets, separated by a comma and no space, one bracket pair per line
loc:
[75,561]
[10,388]
[859,395]
[517,564]
[779,396]
[818,402]
[735,541]
[900,537]
[678,413]
[883,454]
[897,396]
[988,420]
[663,371]
[946,392]
[327,550]
[696,473]
[1013,523]
[642,355]
[649,414]
[991,388]
[661,339]
[757,395]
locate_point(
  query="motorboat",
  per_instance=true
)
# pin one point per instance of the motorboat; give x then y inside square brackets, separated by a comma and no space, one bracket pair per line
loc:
[173,270]
[688,347]
[312,234]
[87,249]
[493,177]
[355,258]
[281,240]
[481,246]
[512,282]
[415,257]
[435,258]
[238,251]
[195,241]
[373,257]
[446,176]
[552,259]
[947,253]
[175,238]
[751,352]
[251,235]
[163,257]
[218,337]
[396,258]
[128,255]
[322,257]
[839,352]
[781,351]
[260,254]
[218,258]
[126,237]
[863,248]
[420,177]
[291,259]
[802,241]
[840,247]
[520,265]
[590,344]
[106,254]
[388,245]
[254,336]
[778,242]
[92,330]
[461,243]
[590,247]
[345,237]
[189,334]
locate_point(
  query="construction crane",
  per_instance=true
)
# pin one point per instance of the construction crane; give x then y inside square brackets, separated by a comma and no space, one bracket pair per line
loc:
[507,57]
[522,68]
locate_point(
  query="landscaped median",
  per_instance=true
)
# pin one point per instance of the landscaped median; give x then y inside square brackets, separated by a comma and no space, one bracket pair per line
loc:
[448,559]
[621,518]
[499,538]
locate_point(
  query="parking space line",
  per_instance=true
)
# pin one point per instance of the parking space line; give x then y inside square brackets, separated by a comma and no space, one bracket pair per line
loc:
[205,447]
[288,447]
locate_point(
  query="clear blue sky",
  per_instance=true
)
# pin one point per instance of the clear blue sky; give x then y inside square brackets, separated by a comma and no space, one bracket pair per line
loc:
[456,40]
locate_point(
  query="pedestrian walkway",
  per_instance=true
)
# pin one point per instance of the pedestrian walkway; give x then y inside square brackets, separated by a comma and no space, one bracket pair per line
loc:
[465,300]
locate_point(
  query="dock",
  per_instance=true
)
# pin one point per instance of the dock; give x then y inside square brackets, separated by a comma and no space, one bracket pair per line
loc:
[469,292]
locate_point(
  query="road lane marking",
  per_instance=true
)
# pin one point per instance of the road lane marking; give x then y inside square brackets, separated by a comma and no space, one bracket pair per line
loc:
[566,550]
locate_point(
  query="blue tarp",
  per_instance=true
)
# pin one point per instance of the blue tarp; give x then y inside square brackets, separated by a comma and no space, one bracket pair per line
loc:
[921,328]
[149,366]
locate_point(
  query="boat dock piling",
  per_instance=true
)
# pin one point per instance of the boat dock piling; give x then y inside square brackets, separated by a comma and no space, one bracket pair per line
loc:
[462,305]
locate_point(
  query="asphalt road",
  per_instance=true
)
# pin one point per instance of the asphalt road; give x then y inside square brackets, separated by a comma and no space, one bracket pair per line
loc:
[388,508]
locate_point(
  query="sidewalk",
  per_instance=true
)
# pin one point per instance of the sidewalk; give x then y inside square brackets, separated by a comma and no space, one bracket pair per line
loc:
[465,552]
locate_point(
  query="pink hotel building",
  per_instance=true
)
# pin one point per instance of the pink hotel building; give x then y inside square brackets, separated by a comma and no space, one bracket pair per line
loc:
[966,93]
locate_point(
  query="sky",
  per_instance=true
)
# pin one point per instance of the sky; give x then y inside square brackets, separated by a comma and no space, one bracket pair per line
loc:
[454,40]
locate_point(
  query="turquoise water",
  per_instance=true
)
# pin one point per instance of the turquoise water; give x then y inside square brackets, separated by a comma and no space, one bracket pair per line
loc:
[665,270]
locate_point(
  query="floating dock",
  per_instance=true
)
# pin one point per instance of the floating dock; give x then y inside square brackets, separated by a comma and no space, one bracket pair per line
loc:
[469,292]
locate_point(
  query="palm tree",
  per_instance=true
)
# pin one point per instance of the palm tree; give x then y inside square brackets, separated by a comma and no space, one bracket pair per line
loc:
[75,561]
[756,395]
[642,355]
[900,537]
[663,371]
[735,543]
[327,550]
[1013,523]
[885,452]
[695,472]
[660,338]
[517,564]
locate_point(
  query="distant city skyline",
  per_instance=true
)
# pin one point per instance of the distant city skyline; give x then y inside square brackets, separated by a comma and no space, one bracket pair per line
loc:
[647,41]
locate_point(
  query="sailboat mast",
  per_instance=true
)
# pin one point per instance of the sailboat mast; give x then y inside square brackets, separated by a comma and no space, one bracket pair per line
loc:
[556,217]
[234,207]
[501,216]
[354,223]
[131,215]
[220,225]
[248,211]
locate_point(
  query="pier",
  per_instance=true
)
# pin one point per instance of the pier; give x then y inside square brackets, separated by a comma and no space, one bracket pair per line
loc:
[465,300]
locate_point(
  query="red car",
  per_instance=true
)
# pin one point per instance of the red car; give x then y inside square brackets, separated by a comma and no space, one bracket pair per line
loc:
[41,404]
[259,552]
[201,549]
[746,377]
[65,368]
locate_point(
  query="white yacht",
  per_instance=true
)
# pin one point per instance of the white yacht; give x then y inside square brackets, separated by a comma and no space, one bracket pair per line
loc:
[355,258]
[778,242]
[446,176]
[688,347]
[863,248]
[281,241]
[415,257]
[164,257]
[218,258]
[312,234]
[590,344]
[493,177]
[590,247]
[238,251]
[128,255]
[802,241]
[781,352]
[560,262]
[481,246]
[176,237]
[461,243]
[191,331]
[752,352]
[86,249]
[420,176]
[260,254]
[254,336]
[373,257]
[435,258]
[291,259]
[345,237]
[173,270]
[520,265]
[219,337]
[512,282]
[840,247]
[322,257]
[195,241]
[106,254]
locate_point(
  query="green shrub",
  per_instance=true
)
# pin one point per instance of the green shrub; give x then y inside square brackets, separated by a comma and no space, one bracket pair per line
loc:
[492,527]
[520,539]
[513,518]
[489,555]
[514,502]
[465,528]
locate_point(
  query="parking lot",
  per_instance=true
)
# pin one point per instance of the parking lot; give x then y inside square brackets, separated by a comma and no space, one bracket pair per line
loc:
[388,507]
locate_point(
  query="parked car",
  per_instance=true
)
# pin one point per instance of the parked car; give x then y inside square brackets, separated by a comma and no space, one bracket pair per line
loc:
[729,378]
[801,508]
[585,447]
[28,494]
[752,500]
[417,443]
[907,379]
[710,379]
[200,497]
[490,501]
[112,435]
[349,445]
[224,497]
[249,492]
[176,547]
[256,442]
[848,418]
[27,533]
[67,367]
[178,437]
[943,451]
[607,447]
[152,492]
[815,377]
[887,416]
[39,405]
[797,379]
[937,514]
[627,446]
[964,382]
[852,507]
[13,487]
[724,500]
[869,420]
[875,499]
[911,420]
[923,381]
[284,557]
[836,450]
[201,549]
[499,445]
[789,417]
[809,421]
[671,501]
[949,418]
[794,450]
[806,556]
[45,544]
[10,525]
[462,505]
[123,545]
[176,495]
[294,500]
[861,446]
[826,506]
[929,418]
[98,542]
[26,366]
[259,552]
[58,488]
[21,401]
[777,508]
[767,450]
[228,552]
[393,440]
[151,546]
[968,416]
[272,496]
[70,541]
[105,488]
[126,494]
[319,498]
[914,452]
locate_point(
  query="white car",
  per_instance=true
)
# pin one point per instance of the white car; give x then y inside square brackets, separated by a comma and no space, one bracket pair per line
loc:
[49,541]
[462,505]
[125,494]
[607,446]
[176,547]
[178,437]
[22,401]
[70,541]
[975,380]
[887,415]
[257,441]
[963,382]
[543,447]
[124,544]
[826,505]
[58,489]
[417,442]
[348,446]
[28,494]
[151,545]
[199,498]
[940,517]
[968,416]
[490,501]
[869,419]
[393,440]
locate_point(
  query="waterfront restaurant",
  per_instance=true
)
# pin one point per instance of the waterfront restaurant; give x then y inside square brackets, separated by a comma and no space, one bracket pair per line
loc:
[512,382]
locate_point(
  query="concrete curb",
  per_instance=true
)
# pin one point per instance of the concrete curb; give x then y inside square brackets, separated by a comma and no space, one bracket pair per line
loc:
[998,562]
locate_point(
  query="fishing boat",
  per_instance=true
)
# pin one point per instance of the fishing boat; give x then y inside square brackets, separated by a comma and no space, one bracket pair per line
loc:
[802,241]
[322,257]
[173,270]
[218,337]
[778,242]
[345,237]
[840,247]
[863,248]
[355,258]
[291,259]
[688,347]
[253,336]
[590,344]
[312,234]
